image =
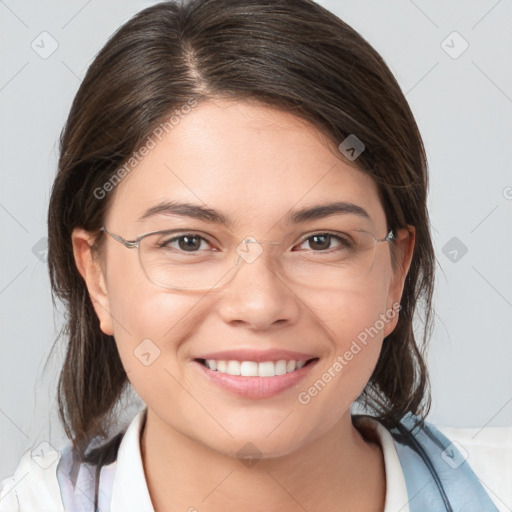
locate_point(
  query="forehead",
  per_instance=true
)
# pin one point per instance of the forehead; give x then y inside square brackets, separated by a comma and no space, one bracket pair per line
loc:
[249,161]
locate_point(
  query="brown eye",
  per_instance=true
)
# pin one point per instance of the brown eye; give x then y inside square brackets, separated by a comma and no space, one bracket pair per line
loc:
[324,241]
[321,242]
[186,243]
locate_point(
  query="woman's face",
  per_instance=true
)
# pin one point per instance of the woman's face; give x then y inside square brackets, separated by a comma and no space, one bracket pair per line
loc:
[254,166]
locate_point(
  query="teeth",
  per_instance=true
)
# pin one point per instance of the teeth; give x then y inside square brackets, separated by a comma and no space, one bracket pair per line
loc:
[248,369]
[280,367]
[233,368]
[253,369]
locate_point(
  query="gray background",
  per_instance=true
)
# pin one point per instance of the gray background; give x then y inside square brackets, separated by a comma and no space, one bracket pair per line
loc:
[463,106]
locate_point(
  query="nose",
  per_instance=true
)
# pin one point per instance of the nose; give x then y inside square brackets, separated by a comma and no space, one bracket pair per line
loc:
[257,296]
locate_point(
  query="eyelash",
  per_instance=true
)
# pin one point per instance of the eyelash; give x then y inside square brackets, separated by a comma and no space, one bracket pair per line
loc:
[344,241]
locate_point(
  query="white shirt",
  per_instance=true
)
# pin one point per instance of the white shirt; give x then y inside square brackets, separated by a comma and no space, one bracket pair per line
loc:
[42,482]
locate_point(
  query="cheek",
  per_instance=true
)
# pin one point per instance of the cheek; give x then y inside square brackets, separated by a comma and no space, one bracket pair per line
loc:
[354,321]
[348,314]
[149,322]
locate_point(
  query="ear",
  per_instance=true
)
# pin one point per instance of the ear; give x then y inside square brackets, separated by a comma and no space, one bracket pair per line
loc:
[87,260]
[404,249]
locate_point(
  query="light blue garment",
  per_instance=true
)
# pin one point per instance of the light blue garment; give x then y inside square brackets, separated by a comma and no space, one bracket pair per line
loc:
[437,476]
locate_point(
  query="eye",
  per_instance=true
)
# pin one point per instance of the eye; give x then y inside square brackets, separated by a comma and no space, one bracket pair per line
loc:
[323,241]
[189,242]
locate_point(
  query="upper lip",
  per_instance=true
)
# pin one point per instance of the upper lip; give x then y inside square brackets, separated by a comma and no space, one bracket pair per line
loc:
[257,356]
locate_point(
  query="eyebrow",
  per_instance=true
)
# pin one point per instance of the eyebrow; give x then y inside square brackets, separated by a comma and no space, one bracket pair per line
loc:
[214,217]
[324,210]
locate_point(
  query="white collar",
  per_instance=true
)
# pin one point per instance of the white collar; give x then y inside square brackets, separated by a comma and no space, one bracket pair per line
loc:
[397,498]
[130,491]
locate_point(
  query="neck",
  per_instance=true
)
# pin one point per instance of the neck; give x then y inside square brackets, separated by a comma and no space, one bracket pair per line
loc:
[341,470]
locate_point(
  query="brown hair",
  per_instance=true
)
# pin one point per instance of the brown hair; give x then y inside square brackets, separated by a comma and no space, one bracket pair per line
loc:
[293,55]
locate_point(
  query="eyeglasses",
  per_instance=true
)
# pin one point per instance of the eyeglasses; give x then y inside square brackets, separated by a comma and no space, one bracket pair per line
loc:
[191,260]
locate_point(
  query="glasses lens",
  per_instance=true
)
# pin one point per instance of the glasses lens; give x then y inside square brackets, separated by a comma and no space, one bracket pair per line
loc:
[324,260]
[330,261]
[184,262]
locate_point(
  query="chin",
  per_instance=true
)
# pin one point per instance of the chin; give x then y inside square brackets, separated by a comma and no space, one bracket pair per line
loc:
[256,445]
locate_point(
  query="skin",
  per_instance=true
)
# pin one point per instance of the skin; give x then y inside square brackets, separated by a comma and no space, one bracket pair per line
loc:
[254,164]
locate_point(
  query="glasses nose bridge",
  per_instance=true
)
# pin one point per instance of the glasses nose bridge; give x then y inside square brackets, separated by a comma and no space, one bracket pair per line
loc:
[255,247]
[250,249]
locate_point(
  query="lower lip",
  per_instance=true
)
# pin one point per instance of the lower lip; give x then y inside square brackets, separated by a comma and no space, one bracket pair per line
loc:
[256,387]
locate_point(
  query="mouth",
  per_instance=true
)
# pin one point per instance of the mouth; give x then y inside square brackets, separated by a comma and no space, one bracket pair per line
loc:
[255,380]
[253,368]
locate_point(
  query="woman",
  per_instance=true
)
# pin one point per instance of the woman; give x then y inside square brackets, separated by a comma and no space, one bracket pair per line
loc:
[239,231]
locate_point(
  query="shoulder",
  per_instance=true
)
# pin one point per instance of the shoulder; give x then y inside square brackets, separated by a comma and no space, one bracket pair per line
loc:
[473,464]
[488,451]
[34,486]
[48,479]
[469,466]
[55,480]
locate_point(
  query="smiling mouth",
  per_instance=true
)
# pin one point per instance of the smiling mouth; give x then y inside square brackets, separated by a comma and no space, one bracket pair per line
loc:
[255,369]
